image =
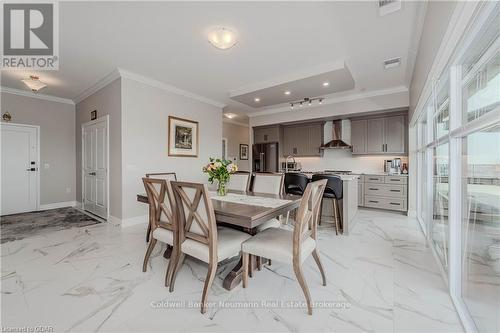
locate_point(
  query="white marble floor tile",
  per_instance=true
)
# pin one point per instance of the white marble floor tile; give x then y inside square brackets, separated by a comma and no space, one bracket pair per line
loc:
[380,278]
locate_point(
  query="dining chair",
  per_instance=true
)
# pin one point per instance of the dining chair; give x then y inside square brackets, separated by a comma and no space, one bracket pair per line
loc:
[334,191]
[199,235]
[163,223]
[239,181]
[168,176]
[291,246]
[268,183]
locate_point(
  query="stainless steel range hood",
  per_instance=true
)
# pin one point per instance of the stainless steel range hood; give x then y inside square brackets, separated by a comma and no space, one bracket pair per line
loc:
[341,135]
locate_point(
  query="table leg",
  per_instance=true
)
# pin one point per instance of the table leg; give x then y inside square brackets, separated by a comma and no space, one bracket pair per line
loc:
[234,277]
[168,252]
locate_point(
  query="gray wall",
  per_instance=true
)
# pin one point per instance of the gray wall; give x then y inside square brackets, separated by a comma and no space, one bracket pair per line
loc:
[236,135]
[57,142]
[436,22]
[145,111]
[107,101]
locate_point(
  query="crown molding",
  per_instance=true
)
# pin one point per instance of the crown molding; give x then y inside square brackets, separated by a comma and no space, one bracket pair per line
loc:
[234,122]
[115,74]
[31,94]
[161,85]
[417,31]
[334,100]
[313,71]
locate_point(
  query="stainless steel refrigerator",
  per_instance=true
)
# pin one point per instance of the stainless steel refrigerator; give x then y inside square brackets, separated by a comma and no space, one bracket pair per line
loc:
[265,157]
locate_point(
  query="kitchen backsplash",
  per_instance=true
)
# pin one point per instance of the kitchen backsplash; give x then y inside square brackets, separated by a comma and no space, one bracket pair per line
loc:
[337,159]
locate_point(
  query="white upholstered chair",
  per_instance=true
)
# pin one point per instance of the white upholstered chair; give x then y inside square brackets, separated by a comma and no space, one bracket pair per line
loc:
[268,183]
[199,235]
[291,246]
[240,181]
[163,219]
[168,176]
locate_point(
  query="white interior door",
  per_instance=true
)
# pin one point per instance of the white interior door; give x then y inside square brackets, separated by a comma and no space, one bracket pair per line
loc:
[19,164]
[95,168]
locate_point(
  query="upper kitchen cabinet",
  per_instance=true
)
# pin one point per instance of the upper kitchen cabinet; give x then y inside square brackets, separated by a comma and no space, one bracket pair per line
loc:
[384,135]
[375,136]
[395,129]
[302,140]
[358,136]
[266,134]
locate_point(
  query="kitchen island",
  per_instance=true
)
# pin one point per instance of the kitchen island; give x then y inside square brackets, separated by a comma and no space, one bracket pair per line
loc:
[348,204]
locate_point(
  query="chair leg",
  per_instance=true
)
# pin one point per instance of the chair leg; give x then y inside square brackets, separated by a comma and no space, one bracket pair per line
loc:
[212,268]
[250,265]
[320,211]
[148,254]
[338,219]
[300,277]
[287,217]
[179,259]
[244,257]
[148,233]
[259,263]
[170,267]
[335,217]
[320,266]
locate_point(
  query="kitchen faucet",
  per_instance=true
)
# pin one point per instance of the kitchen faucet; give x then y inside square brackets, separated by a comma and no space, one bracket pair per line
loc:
[286,162]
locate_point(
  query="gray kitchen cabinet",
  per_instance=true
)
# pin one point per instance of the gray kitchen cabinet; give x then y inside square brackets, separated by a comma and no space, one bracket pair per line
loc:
[384,192]
[384,135]
[302,140]
[395,134]
[266,134]
[375,136]
[358,136]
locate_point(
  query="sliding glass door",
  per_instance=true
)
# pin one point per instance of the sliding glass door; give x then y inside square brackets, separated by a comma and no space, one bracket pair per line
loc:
[458,172]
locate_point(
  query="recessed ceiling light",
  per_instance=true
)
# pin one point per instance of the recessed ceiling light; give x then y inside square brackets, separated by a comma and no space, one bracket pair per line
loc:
[222,38]
[287,92]
[230,115]
[257,99]
[34,83]
[326,84]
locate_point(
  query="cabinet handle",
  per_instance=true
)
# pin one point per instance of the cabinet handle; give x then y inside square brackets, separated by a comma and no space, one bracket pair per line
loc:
[373,178]
[395,180]
[395,190]
[383,147]
[395,203]
[372,201]
[373,189]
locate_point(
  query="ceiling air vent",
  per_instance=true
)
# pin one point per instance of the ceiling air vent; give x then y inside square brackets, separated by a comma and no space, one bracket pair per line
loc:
[391,63]
[388,6]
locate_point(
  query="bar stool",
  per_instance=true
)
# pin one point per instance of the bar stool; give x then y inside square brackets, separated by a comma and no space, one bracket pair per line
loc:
[295,183]
[333,190]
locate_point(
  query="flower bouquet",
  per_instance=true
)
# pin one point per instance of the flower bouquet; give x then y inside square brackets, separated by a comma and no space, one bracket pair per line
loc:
[220,170]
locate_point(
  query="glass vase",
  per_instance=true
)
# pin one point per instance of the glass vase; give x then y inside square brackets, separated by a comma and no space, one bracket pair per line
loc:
[221,188]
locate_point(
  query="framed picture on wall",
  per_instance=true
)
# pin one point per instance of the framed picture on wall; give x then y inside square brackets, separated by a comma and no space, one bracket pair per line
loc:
[243,152]
[93,115]
[182,137]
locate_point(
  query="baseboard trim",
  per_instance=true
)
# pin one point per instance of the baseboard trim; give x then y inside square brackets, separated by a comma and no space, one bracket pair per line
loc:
[56,205]
[134,221]
[412,213]
[114,220]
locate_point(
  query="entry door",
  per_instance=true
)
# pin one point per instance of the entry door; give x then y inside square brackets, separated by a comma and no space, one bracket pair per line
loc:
[19,147]
[95,168]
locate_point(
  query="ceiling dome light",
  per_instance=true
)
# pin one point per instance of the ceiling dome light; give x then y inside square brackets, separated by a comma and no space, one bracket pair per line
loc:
[230,115]
[257,99]
[34,83]
[287,92]
[326,84]
[222,38]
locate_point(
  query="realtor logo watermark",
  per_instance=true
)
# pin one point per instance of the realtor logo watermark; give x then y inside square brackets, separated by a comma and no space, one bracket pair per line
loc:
[30,35]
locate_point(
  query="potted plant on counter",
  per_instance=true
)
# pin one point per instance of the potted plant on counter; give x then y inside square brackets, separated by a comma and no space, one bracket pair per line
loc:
[220,170]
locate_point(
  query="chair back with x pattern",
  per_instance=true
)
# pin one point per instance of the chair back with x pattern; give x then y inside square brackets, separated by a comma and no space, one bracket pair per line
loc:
[196,215]
[161,201]
[307,215]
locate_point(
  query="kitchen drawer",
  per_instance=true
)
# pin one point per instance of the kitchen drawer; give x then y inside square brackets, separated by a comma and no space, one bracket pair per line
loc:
[385,190]
[396,179]
[385,203]
[374,179]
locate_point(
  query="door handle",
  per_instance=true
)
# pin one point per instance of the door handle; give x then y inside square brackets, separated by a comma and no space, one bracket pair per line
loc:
[31,169]
[92,173]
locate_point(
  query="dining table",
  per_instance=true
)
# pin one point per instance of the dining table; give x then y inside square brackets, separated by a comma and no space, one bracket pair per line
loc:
[245,211]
